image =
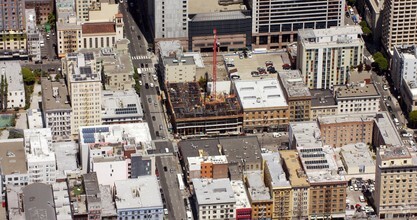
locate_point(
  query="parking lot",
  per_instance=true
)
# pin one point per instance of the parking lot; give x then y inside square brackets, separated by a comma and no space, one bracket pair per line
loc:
[358,201]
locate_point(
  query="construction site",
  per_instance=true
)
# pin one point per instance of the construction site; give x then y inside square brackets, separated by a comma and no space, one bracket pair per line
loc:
[196,113]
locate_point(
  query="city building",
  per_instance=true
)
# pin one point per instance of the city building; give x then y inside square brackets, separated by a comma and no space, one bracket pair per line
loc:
[362,98]
[371,11]
[297,94]
[396,169]
[210,167]
[243,207]
[68,29]
[214,198]
[300,193]
[138,198]
[56,108]
[264,105]
[40,158]
[259,195]
[322,103]
[11,71]
[397,27]
[179,69]
[142,165]
[102,34]
[42,9]
[243,155]
[340,130]
[92,195]
[277,182]
[38,200]
[34,118]
[13,29]
[61,201]
[121,107]
[385,132]
[84,87]
[33,34]
[325,56]
[276,25]
[66,154]
[196,114]
[357,159]
[108,208]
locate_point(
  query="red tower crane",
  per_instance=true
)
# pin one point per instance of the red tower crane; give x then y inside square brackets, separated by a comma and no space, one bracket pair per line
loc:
[214,64]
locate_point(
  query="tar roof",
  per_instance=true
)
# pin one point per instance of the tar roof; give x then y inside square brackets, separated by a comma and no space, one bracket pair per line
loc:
[237,148]
[191,148]
[357,155]
[293,84]
[322,97]
[387,129]
[91,187]
[293,166]
[255,94]
[54,95]
[98,28]
[213,191]
[356,91]
[38,202]
[12,152]
[142,192]
[346,118]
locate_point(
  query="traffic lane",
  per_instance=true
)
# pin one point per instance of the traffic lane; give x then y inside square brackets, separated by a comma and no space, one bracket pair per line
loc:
[43,67]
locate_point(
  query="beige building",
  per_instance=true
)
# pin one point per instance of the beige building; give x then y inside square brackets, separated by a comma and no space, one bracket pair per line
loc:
[259,195]
[84,85]
[398,23]
[361,98]
[395,177]
[322,103]
[300,187]
[179,69]
[340,130]
[326,55]
[68,31]
[297,94]
[264,105]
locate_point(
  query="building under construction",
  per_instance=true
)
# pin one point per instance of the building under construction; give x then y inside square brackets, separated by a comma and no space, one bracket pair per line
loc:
[193,113]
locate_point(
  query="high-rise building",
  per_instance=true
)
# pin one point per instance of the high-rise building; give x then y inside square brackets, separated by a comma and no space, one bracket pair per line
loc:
[170,18]
[12,25]
[84,86]
[399,23]
[275,23]
[396,171]
[325,56]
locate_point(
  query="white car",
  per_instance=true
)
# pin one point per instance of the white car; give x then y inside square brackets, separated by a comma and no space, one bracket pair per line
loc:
[140,82]
[151,85]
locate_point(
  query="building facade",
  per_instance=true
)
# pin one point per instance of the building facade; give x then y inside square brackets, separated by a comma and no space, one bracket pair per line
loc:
[33,35]
[326,56]
[274,25]
[179,69]
[13,29]
[362,98]
[170,19]
[42,9]
[322,103]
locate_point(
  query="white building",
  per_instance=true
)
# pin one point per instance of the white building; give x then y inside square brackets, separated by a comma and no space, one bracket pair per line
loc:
[121,107]
[110,169]
[325,56]
[84,82]
[169,18]
[139,199]
[12,72]
[214,196]
[34,117]
[33,35]
[40,158]
[362,98]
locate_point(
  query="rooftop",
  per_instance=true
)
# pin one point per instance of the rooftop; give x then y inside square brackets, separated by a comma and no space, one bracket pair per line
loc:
[389,153]
[407,52]
[192,148]
[306,134]
[242,200]
[12,152]
[91,188]
[142,192]
[54,95]
[169,48]
[274,163]
[242,147]
[257,94]
[346,118]
[82,69]
[38,202]
[98,28]
[197,6]
[187,101]
[256,186]
[121,104]
[62,203]
[213,191]
[356,91]
[293,166]
[174,61]
[12,72]
[219,16]
[322,98]
[357,155]
[66,157]
[108,208]
[387,129]
[293,84]
[333,35]
[194,163]
[39,145]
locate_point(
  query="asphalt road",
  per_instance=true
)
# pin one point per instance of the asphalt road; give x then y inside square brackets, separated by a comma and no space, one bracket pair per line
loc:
[168,169]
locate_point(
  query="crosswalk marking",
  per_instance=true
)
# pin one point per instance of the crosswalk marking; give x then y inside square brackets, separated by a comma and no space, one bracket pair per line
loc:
[150,69]
[140,57]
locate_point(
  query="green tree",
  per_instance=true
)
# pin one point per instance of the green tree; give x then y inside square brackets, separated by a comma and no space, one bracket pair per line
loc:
[380,61]
[51,19]
[202,82]
[366,30]
[412,118]
[28,76]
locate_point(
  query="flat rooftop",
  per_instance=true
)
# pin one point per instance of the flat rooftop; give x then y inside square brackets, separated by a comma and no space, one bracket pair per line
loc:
[197,7]
[184,60]
[187,101]
[357,91]
[259,94]
[83,68]
[213,191]
[91,187]
[274,163]
[218,16]
[54,95]
[121,104]
[292,163]
[12,152]
[387,129]
[256,187]
[37,200]
[62,203]
[389,153]
[245,66]
[293,84]
[192,148]
[12,72]
[241,147]
[306,134]
[108,208]
[322,98]
[142,192]
[356,155]
[346,118]
[66,157]
[331,36]
[242,200]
